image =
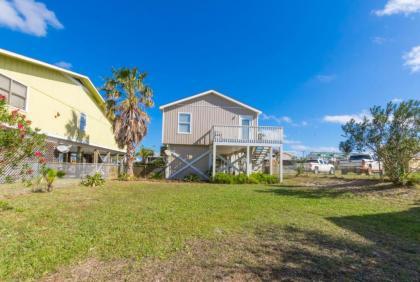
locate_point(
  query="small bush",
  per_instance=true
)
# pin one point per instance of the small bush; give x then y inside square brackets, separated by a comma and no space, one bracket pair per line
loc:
[300,169]
[252,179]
[93,180]
[224,178]
[255,178]
[192,178]
[413,179]
[157,175]
[47,177]
[123,177]
[240,179]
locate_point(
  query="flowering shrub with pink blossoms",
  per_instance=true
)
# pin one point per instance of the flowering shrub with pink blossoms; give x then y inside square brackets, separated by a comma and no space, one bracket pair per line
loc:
[19,143]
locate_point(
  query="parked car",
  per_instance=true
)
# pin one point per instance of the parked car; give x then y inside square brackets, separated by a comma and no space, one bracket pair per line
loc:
[360,163]
[319,165]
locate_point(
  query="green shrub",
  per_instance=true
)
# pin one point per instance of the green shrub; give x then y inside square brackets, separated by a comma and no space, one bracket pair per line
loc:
[123,177]
[255,178]
[157,175]
[48,176]
[264,178]
[240,179]
[93,180]
[252,179]
[192,178]
[413,179]
[299,169]
[223,178]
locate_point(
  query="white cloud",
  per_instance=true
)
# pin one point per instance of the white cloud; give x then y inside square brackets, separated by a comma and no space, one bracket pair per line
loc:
[342,119]
[276,119]
[27,16]
[292,142]
[282,120]
[393,7]
[379,40]
[397,100]
[300,147]
[64,65]
[412,59]
[326,78]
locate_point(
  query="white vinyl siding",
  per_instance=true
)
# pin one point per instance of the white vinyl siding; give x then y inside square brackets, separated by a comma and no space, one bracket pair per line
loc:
[14,92]
[184,123]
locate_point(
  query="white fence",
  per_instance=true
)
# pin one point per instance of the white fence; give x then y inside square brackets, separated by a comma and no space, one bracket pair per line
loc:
[72,170]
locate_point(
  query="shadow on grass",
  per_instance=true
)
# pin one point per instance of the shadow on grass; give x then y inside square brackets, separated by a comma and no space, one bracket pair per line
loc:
[293,254]
[274,253]
[332,190]
[404,224]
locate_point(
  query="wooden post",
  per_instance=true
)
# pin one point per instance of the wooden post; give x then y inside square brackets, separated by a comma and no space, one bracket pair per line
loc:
[79,155]
[213,174]
[271,160]
[248,161]
[281,163]
[108,156]
[95,156]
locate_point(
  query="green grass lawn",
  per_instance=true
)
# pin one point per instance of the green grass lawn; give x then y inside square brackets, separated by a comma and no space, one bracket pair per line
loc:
[259,232]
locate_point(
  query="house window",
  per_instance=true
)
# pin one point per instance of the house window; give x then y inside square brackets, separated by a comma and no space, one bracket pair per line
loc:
[82,122]
[184,123]
[14,92]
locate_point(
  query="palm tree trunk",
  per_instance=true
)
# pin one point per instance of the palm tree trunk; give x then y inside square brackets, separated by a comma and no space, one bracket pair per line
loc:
[130,160]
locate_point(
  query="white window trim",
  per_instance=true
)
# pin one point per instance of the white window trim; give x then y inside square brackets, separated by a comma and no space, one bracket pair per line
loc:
[187,113]
[25,110]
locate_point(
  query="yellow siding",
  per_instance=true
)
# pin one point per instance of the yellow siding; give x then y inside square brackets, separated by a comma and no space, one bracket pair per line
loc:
[54,98]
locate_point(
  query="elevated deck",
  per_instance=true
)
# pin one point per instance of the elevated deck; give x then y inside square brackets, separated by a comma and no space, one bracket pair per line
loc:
[232,135]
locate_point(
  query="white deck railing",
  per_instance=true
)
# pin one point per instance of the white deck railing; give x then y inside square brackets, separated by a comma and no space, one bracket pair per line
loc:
[247,134]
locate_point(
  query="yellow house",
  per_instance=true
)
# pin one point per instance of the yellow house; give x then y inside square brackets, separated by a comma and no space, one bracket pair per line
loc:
[65,105]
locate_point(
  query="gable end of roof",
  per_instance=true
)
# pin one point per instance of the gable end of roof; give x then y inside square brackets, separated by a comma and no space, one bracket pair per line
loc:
[209,92]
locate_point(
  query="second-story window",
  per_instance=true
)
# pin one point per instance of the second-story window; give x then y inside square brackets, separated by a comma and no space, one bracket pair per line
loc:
[184,123]
[82,125]
[14,92]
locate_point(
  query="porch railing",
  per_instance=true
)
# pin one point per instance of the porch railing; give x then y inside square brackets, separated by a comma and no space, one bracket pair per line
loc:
[79,170]
[247,134]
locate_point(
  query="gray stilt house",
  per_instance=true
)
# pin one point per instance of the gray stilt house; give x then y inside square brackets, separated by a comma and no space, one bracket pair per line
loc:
[210,132]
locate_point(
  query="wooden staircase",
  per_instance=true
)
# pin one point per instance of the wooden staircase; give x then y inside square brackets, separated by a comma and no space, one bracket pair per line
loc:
[258,156]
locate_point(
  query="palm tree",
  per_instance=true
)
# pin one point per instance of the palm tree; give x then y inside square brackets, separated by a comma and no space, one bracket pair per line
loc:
[144,153]
[127,100]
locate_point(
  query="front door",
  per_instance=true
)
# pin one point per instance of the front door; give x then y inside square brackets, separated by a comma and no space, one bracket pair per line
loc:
[245,127]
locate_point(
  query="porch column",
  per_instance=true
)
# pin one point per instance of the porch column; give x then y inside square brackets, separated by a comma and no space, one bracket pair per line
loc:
[281,163]
[168,163]
[210,158]
[271,160]
[108,157]
[214,161]
[95,156]
[248,163]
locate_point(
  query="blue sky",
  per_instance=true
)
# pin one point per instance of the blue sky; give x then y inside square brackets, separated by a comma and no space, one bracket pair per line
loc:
[308,65]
